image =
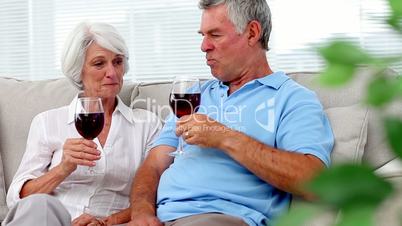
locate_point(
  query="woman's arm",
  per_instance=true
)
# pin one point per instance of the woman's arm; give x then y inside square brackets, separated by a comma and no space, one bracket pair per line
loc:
[75,152]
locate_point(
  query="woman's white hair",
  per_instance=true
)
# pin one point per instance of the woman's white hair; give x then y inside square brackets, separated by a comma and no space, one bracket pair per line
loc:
[78,41]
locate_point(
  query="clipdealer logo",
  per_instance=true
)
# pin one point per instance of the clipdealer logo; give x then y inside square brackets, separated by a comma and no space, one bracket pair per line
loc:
[264,113]
[268,107]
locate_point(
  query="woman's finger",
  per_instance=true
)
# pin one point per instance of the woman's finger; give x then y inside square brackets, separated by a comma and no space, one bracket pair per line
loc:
[84,156]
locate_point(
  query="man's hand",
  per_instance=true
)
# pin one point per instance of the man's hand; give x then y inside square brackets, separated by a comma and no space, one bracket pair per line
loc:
[199,129]
[87,220]
[144,220]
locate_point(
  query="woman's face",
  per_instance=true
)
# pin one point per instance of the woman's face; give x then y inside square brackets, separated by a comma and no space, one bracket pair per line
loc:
[102,73]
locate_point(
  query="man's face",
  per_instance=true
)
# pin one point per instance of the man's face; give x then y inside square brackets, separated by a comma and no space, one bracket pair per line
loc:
[225,49]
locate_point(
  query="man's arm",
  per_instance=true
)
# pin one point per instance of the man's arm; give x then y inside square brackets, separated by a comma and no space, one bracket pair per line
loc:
[283,169]
[145,184]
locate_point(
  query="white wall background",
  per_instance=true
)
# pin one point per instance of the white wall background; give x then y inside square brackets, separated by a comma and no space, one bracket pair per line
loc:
[163,39]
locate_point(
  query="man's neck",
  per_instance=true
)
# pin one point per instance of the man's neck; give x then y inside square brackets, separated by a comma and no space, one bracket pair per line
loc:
[248,76]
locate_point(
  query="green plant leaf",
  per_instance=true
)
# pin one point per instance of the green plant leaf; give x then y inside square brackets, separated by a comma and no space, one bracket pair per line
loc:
[396,7]
[381,90]
[336,74]
[393,128]
[344,53]
[395,19]
[399,85]
[384,62]
[395,22]
[298,215]
[349,185]
[359,215]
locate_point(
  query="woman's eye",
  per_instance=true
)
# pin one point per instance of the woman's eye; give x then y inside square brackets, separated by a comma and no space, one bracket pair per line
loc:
[98,64]
[118,61]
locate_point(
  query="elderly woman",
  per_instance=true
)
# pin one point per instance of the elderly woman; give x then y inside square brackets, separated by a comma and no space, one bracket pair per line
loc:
[57,158]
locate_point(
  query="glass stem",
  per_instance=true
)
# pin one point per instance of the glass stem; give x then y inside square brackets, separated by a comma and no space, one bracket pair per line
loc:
[180,148]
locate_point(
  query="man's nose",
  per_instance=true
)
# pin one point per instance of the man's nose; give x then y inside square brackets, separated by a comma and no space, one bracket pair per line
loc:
[206,45]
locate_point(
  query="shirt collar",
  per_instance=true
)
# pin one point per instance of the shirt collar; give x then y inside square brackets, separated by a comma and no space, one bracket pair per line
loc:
[121,107]
[274,80]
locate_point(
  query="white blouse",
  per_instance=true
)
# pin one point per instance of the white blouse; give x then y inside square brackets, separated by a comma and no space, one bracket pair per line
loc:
[130,136]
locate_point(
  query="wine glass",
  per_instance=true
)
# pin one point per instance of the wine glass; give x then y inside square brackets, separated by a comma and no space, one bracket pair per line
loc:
[185,98]
[89,118]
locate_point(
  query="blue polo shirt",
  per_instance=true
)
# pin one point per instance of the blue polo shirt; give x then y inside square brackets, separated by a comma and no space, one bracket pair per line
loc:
[274,110]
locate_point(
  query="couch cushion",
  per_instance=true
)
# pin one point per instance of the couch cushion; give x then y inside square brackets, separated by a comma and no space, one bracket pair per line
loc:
[349,125]
[153,96]
[376,152]
[24,100]
[20,101]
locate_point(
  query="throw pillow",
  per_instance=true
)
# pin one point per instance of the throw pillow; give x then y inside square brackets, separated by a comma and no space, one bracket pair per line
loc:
[349,125]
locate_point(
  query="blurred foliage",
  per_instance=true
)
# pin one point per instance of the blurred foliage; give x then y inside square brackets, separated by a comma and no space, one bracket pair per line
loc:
[355,191]
[381,91]
[393,130]
[350,185]
[299,215]
[396,16]
[357,216]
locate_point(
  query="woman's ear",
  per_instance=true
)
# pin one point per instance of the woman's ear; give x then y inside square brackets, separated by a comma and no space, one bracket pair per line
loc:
[254,32]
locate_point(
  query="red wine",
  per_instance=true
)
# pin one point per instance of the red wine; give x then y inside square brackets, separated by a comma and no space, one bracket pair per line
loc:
[184,103]
[89,125]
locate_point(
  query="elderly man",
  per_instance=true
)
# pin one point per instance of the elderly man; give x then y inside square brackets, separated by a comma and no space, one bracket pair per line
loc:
[257,136]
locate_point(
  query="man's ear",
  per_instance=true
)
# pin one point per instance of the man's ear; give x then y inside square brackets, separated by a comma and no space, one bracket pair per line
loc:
[254,32]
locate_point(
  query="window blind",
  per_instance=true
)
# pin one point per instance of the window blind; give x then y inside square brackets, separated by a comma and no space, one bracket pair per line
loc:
[163,40]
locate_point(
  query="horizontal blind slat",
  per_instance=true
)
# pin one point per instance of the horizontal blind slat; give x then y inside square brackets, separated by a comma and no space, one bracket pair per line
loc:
[162,35]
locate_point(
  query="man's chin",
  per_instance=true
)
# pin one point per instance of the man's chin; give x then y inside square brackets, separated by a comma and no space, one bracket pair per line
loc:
[219,76]
[215,73]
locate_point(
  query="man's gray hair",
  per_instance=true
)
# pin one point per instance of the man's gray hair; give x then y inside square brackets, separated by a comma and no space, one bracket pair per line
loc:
[78,41]
[242,12]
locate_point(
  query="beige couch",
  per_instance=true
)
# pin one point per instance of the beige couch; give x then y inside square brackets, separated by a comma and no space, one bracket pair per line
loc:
[357,130]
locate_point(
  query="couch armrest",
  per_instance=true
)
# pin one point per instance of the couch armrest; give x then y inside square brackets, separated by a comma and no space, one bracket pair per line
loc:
[391,169]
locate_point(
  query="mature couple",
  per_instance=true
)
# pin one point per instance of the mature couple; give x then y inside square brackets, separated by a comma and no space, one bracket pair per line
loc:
[233,177]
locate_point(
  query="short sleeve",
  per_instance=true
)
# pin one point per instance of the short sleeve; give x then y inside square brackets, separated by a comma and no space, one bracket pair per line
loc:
[168,134]
[304,126]
[155,127]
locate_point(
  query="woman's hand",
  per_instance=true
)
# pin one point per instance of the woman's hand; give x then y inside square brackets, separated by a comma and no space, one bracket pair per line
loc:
[78,151]
[121,217]
[87,220]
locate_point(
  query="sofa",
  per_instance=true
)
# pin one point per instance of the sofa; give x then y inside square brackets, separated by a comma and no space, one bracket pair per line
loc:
[357,129]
